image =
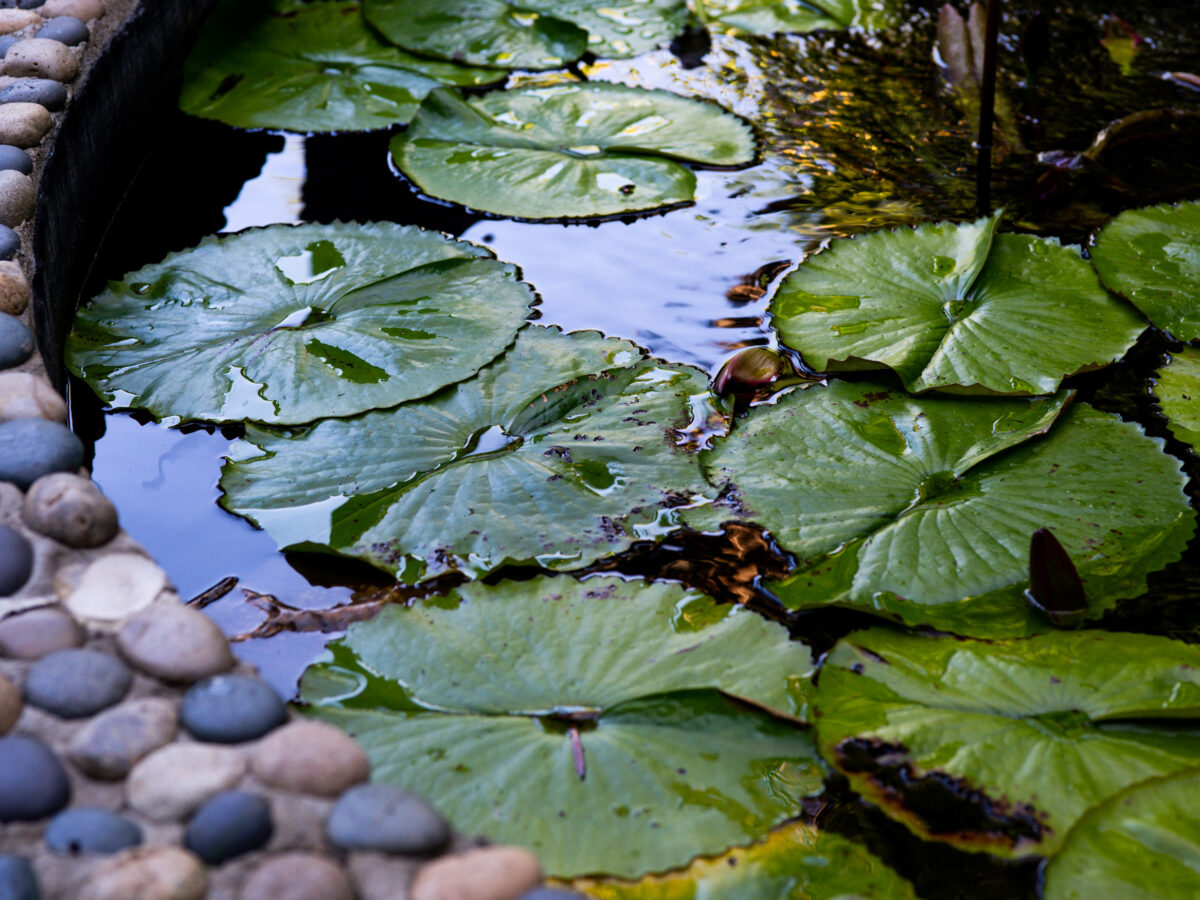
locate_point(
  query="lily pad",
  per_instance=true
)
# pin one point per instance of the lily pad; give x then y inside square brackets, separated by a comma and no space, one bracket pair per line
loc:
[775,16]
[1144,842]
[1178,390]
[1152,256]
[588,725]
[921,509]
[1003,746]
[795,862]
[954,307]
[559,453]
[307,67]
[567,151]
[287,324]
[532,34]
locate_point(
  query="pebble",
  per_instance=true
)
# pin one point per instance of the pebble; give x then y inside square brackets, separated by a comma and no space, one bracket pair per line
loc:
[10,241]
[33,634]
[388,818]
[311,758]
[15,158]
[33,783]
[489,873]
[24,124]
[10,707]
[87,829]
[111,744]
[17,880]
[31,448]
[85,10]
[76,683]
[298,876]
[71,509]
[43,91]
[7,41]
[115,587]
[14,291]
[547,893]
[41,58]
[66,30]
[147,873]
[171,782]
[229,825]
[24,395]
[15,19]
[230,709]
[174,642]
[17,194]
[16,560]
[16,341]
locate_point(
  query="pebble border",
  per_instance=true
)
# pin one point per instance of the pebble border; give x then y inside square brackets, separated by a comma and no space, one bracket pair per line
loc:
[138,759]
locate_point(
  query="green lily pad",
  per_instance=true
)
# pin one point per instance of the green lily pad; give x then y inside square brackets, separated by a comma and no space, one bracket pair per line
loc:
[921,509]
[954,307]
[559,453]
[1152,256]
[567,151]
[1003,746]
[1178,390]
[796,862]
[534,34]
[776,16]
[287,324]
[1144,842]
[588,725]
[309,67]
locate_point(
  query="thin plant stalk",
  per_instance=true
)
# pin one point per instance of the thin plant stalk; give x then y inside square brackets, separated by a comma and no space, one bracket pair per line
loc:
[987,104]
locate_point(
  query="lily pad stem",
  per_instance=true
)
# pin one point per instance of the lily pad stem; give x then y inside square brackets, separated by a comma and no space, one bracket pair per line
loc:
[987,101]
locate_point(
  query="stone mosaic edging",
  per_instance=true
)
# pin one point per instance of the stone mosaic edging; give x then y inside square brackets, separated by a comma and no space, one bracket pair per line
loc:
[138,760]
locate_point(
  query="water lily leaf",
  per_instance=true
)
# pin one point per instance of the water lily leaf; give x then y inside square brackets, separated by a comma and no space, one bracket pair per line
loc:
[922,509]
[796,862]
[567,151]
[1144,842]
[1003,746]
[774,16]
[1178,392]
[588,725]
[310,67]
[954,306]
[560,452]
[1152,256]
[534,34]
[287,324]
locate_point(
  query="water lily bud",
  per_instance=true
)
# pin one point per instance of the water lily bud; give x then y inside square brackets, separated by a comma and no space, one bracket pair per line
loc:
[750,370]
[1054,585]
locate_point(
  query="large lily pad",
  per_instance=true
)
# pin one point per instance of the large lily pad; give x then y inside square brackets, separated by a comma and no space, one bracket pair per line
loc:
[532,34]
[1003,746]
[922,509]
[796,862]
[290,324]
[954,307]
[567,151]
[1178,390]
[1144,843]
[588,725]
[1152,256]
[307,67]
[774,16]
[559,453]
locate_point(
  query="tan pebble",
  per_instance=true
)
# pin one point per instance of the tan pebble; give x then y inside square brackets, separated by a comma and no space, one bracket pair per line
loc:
[108,746]
[489,873]
[10,704]
[15,19]
[17,196]
[26,396]
[23,124]
[70,509]
[41,58]
[147,873]
[380,876]
[80,9]
[310,757]
[298,876]
[115,587]
[174,642]
[174,780]
[14,291]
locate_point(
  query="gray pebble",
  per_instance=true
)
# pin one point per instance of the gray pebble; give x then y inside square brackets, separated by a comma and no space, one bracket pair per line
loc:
[16,560]
[70,509]
[109,745]
[174,642]
[17,880]
[66,30]
[17,194]
[229,825]
[33,783]
[15,158]
[6,41]
[86,829]
[387,818]
[50,94]
[72,684]
[545,893]
[10,243]
[33,634]
[31,448]
[230,709]
[16,341]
